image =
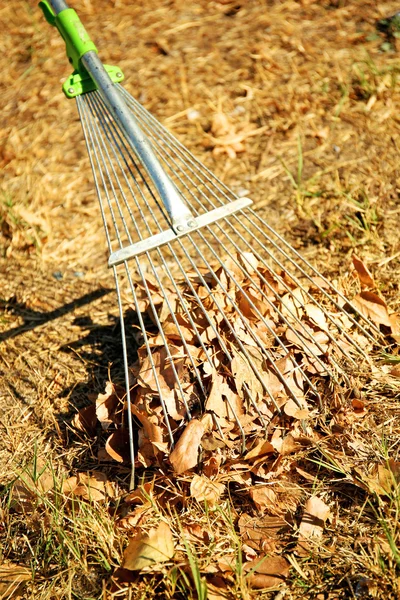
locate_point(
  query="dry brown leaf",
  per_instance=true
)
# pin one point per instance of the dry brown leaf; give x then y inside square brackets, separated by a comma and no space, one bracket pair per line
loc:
[205,490]
[371,306]
[222,400]
[107,405]
[267,571]
[395,326]
[312,524]
[260,450]
[194,532]
[220,591]
[289,445]
[244,374]
[363,273]
[316,315]
[85,420]
[149,549]
[263,497]
[185,454]
[292,409]
[261,533]
[12,578]
[87,486]
[117,445]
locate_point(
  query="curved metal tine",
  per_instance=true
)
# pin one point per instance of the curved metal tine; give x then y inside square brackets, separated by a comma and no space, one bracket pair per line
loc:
[108,132]
[188,313]
[321,289]
[307,335]
[83,117]
[230,327]
[273,333]
[103,151]
[224,191]
[273,257]
[97,162]
[263,320]
[265,297]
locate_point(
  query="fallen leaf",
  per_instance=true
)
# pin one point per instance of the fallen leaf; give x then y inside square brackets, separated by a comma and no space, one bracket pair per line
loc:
[118,447]
[107,405]
[203,489]
[12,577]
[395,326]
[263,497]
[312,524]
[371,306]
[195,533]
[292,409]
[267,571]
[85,420]
[363,273]
[88,486]
[261,532]
[149,549]
[259,450]
[185,454]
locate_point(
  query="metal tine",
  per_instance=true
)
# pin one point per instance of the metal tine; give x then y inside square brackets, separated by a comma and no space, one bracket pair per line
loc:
[93,153]
[174,284]
[210,322]
[140,269]
[265,297]
[323,364]
[88,140]
[301,324]
[224,191]
[109,132]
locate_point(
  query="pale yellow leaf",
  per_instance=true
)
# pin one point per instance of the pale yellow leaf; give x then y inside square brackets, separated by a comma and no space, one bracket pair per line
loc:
[203,489]
[149,549]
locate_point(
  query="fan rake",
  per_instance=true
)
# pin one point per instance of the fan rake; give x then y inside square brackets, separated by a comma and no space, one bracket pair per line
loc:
[235,324]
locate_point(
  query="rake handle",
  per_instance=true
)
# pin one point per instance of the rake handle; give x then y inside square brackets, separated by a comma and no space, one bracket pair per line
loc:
[58,5]
[82,52]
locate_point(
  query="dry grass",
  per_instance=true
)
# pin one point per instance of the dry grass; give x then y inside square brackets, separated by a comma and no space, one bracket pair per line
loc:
[325,173]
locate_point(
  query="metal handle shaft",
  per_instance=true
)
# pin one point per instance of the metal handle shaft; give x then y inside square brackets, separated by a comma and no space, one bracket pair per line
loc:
[181,218]
[58,5]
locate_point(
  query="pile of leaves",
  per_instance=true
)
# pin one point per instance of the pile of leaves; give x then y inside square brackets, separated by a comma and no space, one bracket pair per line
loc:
[210,454]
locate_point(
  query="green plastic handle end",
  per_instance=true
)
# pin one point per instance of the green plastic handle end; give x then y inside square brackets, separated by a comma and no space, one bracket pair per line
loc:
[71,29]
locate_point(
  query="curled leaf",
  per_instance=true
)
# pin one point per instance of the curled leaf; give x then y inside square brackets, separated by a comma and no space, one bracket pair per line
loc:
[185,454]
[363,273]
[267,571]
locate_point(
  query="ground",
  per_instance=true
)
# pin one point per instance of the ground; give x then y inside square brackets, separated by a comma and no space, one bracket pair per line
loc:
[312,86]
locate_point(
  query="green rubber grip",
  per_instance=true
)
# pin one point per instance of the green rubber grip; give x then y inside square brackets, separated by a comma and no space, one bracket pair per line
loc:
[76,37]
[72,30]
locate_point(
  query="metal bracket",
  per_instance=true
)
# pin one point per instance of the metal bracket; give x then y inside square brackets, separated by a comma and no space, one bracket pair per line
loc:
[169,235]
[80,82]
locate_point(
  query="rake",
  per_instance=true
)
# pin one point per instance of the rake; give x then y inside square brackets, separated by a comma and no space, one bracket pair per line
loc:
[233,321]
